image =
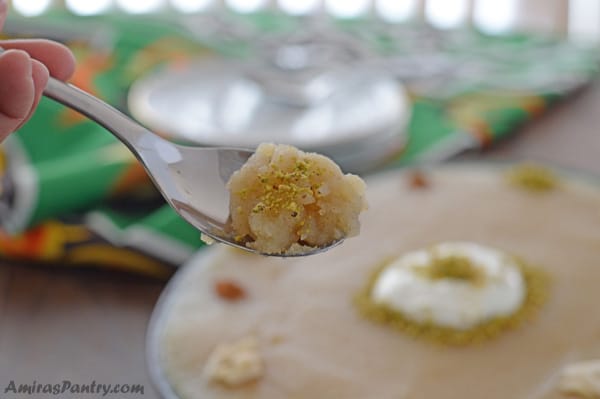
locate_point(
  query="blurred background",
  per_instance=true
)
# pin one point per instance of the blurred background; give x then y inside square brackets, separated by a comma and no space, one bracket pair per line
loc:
[374,84]
[576,19]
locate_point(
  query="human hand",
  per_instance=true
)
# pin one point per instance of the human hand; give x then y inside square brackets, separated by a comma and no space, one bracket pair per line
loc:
[24,69]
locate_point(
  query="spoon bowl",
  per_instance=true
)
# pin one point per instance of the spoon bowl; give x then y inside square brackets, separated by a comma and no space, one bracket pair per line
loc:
[191,179]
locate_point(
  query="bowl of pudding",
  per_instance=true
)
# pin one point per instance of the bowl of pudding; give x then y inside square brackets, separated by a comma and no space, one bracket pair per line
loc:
[468,281]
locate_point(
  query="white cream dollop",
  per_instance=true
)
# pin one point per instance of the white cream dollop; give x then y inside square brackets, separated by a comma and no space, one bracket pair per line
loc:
[452,302]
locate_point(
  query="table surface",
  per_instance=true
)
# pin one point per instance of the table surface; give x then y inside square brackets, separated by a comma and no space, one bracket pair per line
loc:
[84,326]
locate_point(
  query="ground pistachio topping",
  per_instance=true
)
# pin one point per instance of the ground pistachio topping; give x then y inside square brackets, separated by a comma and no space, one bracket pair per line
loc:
[532,177]
[445,274]
[452,267]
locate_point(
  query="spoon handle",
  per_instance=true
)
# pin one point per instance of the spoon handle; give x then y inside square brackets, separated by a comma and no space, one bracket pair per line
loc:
[123,127]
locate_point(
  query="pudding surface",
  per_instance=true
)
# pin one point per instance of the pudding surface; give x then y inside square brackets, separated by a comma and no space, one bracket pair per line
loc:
[314,343]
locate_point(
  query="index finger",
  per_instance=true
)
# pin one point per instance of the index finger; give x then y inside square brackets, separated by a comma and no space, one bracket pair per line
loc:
[58,58]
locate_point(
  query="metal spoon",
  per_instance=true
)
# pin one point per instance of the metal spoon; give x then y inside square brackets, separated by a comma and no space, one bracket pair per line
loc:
[191,179]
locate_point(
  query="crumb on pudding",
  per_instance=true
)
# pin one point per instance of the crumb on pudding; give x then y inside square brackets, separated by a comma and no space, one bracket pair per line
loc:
[284,200]
[234,364]
[417,179]
[208,240]
[229,290]
[581,380]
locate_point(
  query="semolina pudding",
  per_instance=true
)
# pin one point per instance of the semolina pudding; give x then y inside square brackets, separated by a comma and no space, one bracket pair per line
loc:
[472,288]
[284,200]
